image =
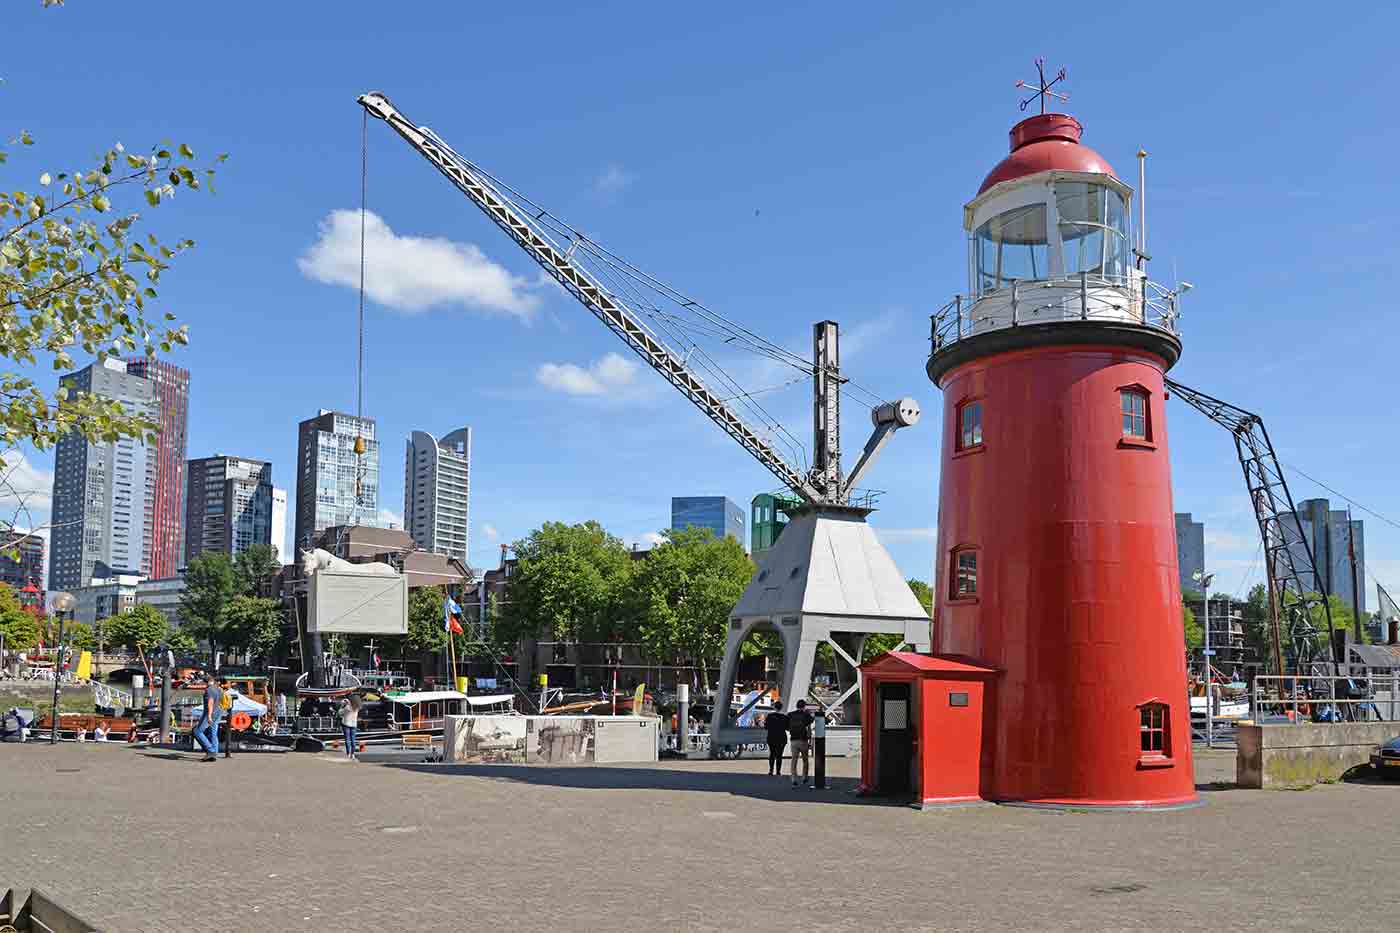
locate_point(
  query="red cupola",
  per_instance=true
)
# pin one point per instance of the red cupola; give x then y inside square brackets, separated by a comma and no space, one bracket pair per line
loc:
[1043,143]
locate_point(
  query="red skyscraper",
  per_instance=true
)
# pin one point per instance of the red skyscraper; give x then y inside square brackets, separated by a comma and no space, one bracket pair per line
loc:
[1056,561]
[165,519]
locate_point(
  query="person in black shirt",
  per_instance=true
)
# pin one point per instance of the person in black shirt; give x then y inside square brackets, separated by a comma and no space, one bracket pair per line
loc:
[800,728]
[776,723]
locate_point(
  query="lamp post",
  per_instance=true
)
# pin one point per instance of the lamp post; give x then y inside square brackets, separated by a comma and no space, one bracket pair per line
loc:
[1205,580]
[61,602]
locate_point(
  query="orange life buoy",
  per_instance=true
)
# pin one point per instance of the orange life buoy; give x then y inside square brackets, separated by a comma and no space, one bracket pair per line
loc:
[240,721]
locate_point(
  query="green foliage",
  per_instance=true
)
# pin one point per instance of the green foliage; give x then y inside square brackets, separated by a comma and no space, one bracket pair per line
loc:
[425,631]
[681,595]
[19,626]
[141,627]
[76,273]
[252,624]
[256,566]
[1195,635]
[182,642]
[80,635]
[923,594]
[569,583]
[211,581]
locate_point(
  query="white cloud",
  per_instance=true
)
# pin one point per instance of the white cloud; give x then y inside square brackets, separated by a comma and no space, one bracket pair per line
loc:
[604,376]
[1228,542]
[906,534]
[24,488]
[489,530]
[410,273]
[388,518]
[613,181]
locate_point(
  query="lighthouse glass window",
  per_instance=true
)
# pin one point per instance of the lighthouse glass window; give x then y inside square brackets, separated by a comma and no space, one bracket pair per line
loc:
[1012,246]
[1134,406]
[1093,229]
[969,425]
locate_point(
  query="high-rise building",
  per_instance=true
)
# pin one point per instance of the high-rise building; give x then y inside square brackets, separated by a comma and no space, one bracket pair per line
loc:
[436,491]
[279,525]
[1190,551]
[229,505]
[1334,539]
[713,512]
[766,522]
[21,561]
[165,522]
[330,474]
[103,494]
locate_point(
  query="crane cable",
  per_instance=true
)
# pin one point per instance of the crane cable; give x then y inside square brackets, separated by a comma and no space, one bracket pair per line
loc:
[360,445]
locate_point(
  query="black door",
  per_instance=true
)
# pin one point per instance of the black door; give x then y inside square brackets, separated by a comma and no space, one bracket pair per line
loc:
[896,739]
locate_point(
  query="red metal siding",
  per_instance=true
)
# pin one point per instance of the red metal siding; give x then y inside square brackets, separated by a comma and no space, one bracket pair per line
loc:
[166,518]
[1078,601]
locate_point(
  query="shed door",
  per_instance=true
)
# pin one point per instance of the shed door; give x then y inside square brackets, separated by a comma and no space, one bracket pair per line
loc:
[896,738]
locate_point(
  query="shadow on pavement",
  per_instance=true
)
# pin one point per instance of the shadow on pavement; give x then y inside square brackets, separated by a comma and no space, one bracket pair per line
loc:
[171,756]
[1365,774]
[839,790]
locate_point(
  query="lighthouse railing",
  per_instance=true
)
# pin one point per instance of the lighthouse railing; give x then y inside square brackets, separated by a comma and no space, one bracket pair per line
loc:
[1073,298]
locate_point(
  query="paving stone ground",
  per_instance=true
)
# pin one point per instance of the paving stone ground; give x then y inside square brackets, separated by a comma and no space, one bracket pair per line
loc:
[140,839]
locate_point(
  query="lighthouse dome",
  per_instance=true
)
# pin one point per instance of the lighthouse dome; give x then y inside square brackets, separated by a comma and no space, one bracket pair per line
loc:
[1047,142]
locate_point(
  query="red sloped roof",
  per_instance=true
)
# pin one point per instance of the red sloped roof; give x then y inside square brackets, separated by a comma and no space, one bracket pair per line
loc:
[952,664]
[1047,142]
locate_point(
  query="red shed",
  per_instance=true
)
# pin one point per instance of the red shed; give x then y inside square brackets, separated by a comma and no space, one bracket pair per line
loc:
[922,723]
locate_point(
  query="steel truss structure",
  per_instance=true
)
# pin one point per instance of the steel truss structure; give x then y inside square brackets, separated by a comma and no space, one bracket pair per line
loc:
[1276,514]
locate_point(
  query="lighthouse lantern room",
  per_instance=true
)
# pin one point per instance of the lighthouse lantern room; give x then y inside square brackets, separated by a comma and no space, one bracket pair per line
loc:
[1056,558]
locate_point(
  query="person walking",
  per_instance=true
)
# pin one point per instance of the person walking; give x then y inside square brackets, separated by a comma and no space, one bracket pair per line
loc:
[800,728]
[206,731]
[776,723]
[350,721]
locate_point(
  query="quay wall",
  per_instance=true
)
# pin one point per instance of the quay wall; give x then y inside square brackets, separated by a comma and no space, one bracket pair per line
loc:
[1278,756]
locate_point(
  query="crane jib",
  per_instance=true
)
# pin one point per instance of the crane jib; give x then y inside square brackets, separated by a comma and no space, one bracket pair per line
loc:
[594,297]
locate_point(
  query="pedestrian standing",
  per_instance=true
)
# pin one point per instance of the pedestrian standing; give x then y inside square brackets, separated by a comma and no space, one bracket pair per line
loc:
[776,723]
[349,721]
[800,728]
[206,731]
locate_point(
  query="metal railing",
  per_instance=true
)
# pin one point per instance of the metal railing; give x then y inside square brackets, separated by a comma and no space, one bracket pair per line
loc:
[1079,297]
[1349,699]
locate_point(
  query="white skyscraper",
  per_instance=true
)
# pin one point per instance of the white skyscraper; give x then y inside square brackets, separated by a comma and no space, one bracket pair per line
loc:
[279,525]
[436,491]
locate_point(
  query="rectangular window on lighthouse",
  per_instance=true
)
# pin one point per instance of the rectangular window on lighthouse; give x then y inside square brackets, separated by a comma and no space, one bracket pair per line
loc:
[964,574]
[969,425]
[1135,420]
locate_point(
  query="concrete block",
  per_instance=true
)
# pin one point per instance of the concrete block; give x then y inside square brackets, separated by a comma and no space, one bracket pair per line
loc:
[1276,756]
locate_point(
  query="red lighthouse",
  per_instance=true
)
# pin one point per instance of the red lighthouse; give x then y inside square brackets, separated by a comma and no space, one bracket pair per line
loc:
[1056,561]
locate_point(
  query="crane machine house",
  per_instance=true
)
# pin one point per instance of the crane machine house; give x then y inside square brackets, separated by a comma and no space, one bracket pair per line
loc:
[369,599]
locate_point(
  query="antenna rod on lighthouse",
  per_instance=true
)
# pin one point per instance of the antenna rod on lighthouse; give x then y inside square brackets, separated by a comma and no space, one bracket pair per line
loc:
[1142,207]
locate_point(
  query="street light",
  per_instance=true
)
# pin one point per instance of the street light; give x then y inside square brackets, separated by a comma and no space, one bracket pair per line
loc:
[1205,580]
[60,602]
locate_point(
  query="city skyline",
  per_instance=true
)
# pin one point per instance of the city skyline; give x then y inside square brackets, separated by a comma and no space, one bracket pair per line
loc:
[555,404]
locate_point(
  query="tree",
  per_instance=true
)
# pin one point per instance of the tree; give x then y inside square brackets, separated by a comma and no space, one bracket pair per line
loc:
[682,594]
[1195,635]
[80,635]
[253,624]
[77,274]
[211,581]
[923,594]
[181,642]
[569,583]
[142,627]
[20,628]
[425,625]
[256,566]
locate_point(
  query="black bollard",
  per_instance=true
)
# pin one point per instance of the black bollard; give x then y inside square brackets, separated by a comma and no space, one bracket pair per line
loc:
[819,749]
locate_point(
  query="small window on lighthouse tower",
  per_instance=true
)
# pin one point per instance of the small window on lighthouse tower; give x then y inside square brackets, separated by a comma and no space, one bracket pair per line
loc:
[1136,423]
[969,425]
[1155,742]
[964,574]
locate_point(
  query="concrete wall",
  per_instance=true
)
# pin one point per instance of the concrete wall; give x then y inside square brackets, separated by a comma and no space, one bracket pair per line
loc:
[1294,756]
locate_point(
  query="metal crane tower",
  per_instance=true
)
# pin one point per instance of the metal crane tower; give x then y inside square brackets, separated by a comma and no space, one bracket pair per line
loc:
[827,579]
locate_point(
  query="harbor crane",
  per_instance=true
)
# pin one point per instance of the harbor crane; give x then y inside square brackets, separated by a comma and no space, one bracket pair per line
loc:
[837,584]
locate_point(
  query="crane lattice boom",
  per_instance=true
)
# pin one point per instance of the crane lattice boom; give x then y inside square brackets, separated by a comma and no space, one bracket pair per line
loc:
[585,285]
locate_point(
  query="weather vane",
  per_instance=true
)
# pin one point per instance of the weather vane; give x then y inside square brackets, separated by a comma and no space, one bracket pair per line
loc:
[1043,90]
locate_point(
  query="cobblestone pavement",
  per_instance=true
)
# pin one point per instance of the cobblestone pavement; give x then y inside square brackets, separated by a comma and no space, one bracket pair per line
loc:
[149,840]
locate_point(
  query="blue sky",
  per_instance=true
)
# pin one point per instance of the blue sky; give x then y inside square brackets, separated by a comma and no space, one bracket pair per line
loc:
[784,164]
